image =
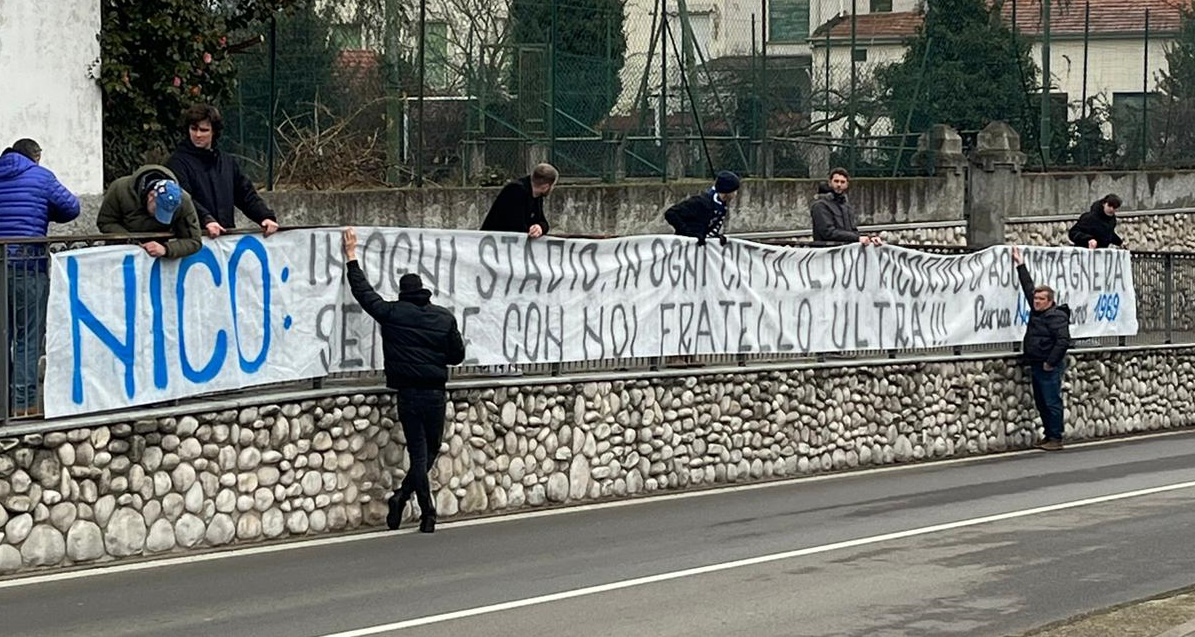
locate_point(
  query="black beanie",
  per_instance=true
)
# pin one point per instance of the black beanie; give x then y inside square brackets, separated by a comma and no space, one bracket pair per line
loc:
[726,182]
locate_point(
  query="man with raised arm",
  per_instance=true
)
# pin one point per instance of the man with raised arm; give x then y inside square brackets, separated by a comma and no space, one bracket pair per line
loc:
[419,341]
[1047,337]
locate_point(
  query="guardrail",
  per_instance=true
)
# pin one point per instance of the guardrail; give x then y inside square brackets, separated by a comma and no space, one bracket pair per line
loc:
[1165,289]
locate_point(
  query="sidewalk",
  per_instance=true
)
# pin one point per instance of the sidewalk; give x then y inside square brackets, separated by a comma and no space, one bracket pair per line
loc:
[1169,615]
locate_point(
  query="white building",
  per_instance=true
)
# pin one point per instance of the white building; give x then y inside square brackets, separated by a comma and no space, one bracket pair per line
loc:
[49,54]
[1115,68]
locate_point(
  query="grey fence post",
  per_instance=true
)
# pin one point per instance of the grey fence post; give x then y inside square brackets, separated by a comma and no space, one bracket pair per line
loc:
[5,406]
[1168,272]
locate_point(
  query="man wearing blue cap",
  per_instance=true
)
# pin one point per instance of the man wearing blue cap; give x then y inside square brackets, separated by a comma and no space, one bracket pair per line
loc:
[150,200]
[704,215]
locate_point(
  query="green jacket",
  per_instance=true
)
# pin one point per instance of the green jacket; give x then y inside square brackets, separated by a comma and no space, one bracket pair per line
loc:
[124,212]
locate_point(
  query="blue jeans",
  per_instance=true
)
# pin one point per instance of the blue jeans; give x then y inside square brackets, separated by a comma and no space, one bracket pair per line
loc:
[28,291]
[1047,395]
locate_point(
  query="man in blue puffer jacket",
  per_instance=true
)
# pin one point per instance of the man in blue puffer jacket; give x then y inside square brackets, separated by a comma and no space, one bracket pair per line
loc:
[30,198]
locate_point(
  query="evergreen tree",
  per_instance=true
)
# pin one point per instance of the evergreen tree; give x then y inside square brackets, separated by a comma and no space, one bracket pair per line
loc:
[159,56]
[305,60]
[965,68]
[1172,116]
[589,56]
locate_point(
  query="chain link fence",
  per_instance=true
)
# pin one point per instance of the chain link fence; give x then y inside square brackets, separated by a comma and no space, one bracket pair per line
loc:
[474,92]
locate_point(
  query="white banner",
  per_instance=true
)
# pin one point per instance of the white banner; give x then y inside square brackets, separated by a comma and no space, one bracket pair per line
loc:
[126,329]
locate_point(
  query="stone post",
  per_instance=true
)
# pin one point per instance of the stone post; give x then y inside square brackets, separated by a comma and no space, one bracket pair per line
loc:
[817,155]
[677,158]
[995,180]
[940,152]
[616,157]
[473,156]
[538,152]
[765,159]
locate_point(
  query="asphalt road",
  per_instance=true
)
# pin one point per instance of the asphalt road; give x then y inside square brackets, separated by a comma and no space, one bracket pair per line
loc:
[903,552]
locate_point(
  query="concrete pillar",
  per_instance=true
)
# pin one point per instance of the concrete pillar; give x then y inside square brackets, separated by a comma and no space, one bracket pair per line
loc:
[940,152]
[537,153]
[995,180]
[473,160]
[765,159]
[677,161]
[616,158]
[817,154]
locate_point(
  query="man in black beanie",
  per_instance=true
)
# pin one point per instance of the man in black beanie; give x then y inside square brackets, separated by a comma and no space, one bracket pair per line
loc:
[704,215]
[419,341]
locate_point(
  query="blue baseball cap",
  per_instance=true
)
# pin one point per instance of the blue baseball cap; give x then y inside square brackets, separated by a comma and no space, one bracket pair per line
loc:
[169,197]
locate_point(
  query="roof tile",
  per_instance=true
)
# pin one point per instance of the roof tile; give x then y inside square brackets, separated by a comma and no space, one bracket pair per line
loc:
[1066,18]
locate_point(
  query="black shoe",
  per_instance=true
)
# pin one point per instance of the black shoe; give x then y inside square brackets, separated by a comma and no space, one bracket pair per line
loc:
[427,524]
[397,504]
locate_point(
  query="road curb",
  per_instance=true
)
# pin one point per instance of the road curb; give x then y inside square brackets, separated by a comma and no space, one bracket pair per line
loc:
[1185,630]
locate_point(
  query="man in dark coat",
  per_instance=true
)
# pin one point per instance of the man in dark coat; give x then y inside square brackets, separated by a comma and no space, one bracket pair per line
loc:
[150,200]
[214,178]
[419,341]
[1096,228]
[833,216]
[519,207]
[704,215]
[1047,337]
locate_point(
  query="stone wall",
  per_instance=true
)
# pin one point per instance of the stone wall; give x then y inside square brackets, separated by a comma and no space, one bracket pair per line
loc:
[763,205]
[1142,233]
[599,209]
[212,479]
[1072,193]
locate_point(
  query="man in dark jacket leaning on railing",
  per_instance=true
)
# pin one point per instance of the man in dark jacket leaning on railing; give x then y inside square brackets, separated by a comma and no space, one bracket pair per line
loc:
[419,341]
[1047,337]
[214,178]
[833,215]
[1096,228]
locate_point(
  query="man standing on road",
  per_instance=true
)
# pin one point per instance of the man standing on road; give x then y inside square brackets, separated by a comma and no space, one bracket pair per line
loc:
[834,216]
[1047,337]
[520,205]
[419,341]
[704,216]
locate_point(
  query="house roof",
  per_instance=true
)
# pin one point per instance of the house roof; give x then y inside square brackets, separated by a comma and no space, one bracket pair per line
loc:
[1108,17]
[357,59]
[871,25]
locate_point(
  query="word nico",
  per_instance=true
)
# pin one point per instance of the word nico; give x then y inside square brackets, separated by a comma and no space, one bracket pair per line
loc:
[125,347]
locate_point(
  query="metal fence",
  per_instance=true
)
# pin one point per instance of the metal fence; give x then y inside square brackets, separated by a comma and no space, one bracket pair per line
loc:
[1164,282]
[451,92]
[24,291]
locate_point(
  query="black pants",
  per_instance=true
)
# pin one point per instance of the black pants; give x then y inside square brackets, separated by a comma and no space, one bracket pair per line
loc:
[421,412]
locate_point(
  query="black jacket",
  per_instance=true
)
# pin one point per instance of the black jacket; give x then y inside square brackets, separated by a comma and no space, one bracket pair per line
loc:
[217,184]
[1048,334]
[515,210]
[833,217]
[1094,224]
[698,216]
[419,339]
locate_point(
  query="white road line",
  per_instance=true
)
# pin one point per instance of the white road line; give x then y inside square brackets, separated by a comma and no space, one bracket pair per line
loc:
[763,559]
[217,554]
